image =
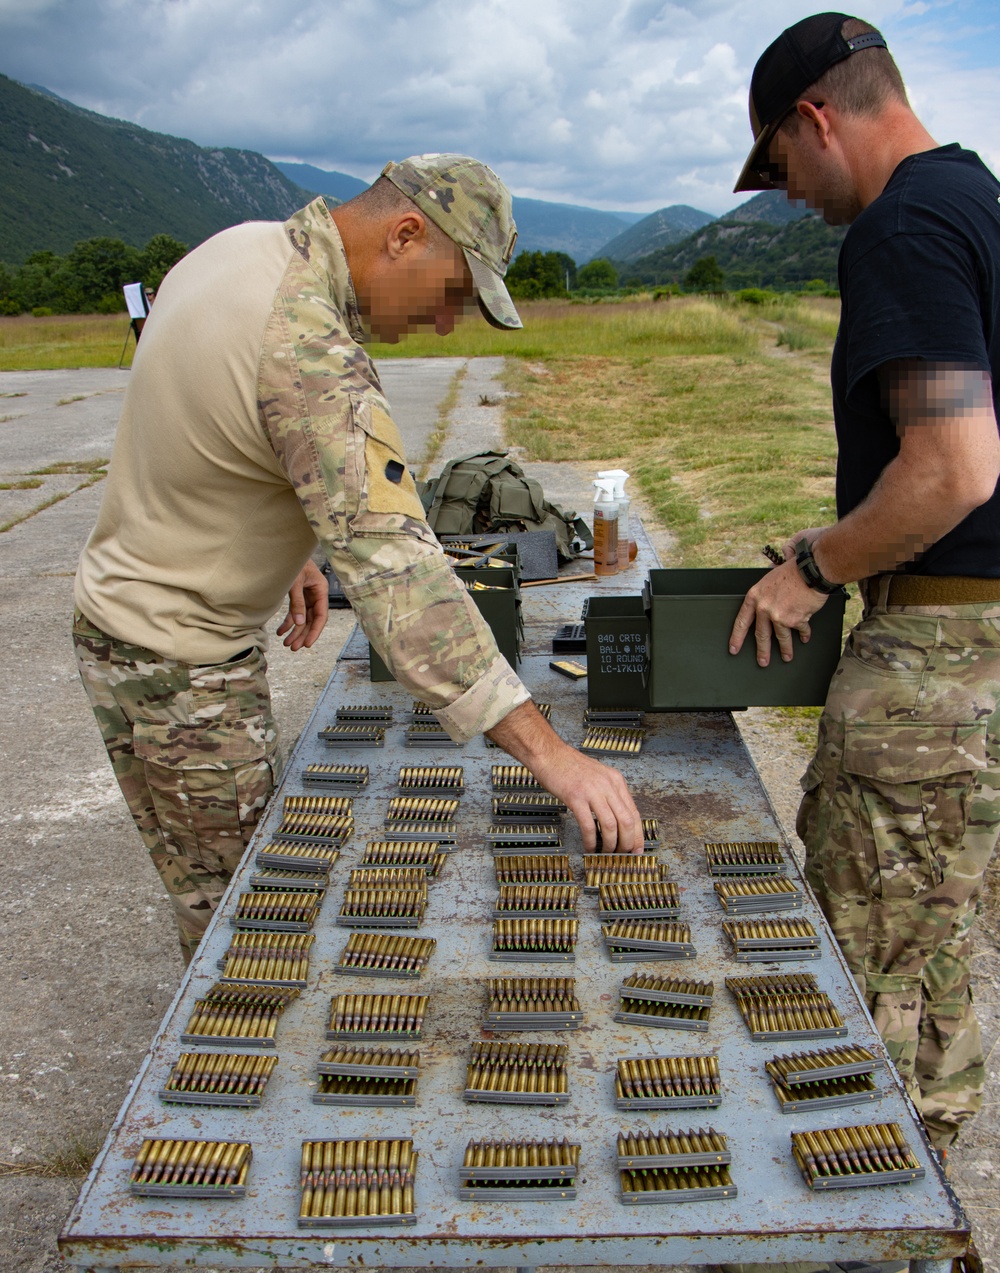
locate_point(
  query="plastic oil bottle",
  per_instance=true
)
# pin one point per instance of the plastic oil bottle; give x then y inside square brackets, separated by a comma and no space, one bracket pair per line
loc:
[605,527]
[628,549]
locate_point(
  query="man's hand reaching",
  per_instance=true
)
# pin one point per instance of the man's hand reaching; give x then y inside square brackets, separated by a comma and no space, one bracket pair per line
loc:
[308,606]
[593,793]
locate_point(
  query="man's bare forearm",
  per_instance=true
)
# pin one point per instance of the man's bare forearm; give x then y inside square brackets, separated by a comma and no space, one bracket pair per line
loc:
[595,794]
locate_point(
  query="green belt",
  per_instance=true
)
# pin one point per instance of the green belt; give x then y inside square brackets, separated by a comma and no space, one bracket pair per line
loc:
[932,590]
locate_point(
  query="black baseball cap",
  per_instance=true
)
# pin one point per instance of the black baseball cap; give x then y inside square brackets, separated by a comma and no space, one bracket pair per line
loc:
[786,68]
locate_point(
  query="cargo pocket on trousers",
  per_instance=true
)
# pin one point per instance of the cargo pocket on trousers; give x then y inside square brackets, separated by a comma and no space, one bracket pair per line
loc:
[914,782]
[209,784]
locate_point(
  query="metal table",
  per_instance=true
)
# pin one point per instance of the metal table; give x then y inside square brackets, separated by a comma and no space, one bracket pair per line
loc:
[695,775]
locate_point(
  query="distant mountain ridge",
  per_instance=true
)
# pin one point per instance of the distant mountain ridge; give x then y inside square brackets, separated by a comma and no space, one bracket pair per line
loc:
[541,226]
[667,225]
[69,174]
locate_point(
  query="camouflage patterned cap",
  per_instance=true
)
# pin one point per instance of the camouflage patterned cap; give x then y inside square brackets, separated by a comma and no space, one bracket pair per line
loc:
[470,203]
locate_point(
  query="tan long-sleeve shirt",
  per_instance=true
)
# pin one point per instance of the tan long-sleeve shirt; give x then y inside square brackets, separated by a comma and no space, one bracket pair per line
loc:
[254,424]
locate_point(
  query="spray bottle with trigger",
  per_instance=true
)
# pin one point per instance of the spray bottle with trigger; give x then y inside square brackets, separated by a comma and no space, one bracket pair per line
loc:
[628,549]
[605,528]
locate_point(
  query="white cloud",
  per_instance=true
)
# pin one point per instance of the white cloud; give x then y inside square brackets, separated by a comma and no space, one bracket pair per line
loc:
[632,103]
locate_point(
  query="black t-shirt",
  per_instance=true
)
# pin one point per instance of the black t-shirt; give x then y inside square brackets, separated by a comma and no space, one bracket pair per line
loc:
[919,278]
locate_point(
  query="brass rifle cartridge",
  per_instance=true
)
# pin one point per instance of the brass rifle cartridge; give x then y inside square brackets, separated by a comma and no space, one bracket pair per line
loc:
[335,806]
[421,809]
[233,1015]
[771,940]
[659,1082]
[533,868]
[536,937]
[357,1183]
[220,1078]
[535,899]
[514,778]
[395,907]
[746,894]
[699,1147]
[428,733]
[279,910]
[441,777]
[646,938]
[518,806]
[848,1157]
[337,777]
[357,735]
[191,1169]
[613,738]
[653,898]
[352,1016]
[372,714]
[385,955]
[268,957]
[534,1169]
[745,858]
[428,856]
[520,837]
[517,1074]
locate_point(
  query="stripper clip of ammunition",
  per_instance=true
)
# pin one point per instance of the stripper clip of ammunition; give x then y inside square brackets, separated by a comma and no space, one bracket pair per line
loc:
[357,1183]
[519,1170]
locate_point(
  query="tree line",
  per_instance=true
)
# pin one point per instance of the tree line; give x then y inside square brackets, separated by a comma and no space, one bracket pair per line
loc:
[539,275]
[88,279]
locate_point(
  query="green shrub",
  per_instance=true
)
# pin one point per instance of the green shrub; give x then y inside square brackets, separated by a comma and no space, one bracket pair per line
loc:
[42,311]
[757,296]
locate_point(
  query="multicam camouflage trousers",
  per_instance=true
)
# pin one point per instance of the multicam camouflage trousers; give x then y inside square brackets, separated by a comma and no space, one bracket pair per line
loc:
[900,817]
[195,751]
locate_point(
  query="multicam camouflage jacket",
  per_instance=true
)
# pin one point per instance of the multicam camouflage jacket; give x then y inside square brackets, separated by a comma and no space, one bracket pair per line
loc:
[253,425]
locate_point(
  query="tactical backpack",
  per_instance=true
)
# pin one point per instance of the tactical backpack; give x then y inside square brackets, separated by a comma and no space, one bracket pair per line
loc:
[487,492]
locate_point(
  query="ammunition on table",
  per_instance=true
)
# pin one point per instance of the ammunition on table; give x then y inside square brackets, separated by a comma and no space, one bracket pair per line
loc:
[746,894]
[821,1080]
[370,1062]
[518,806]
[421,809]
[191,1168]
[385,955]
[365,1091]
[666,1002]
[518,838]
[439,777]
[569,668]
[391,907]
[613,738]
[533,868]
[771,940]
[389,877]
[290,912]
[318,858]
[354,1183]
[746,857]
[666,1082]
[372,714]
[849,1157]
[533,1003]
[642,898]
[298,881]
[337,806]
[353,735]
[321,829]
[421,711]
[536,1170]
[701,1147]
[346,777]
[786,1006]
[535,899]
[517,1074]
[647,939]
[218,1078]
[675,1184]
[280,958]
[352,1016]
[514,778]
[534,940]
[428,733]
[427,855]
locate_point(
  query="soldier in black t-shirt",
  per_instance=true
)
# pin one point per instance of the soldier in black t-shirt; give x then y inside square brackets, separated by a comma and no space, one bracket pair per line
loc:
[902,800]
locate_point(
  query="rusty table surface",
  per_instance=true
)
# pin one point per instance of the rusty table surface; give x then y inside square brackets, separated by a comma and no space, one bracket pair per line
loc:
[693,774]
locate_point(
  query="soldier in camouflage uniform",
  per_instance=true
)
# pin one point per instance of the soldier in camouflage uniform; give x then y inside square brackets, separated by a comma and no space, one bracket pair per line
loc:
[901,811]
[254,425]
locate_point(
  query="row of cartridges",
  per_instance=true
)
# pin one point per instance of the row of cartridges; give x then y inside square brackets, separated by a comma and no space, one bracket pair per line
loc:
[353,1183]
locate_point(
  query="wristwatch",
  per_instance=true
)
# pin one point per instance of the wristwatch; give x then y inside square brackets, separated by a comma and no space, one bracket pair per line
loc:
[808,569]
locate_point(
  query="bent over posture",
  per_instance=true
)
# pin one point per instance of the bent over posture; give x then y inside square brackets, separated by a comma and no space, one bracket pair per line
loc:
[254,425]
[902,799]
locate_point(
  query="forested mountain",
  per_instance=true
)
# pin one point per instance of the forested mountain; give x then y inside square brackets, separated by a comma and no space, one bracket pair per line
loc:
[658,230]
[69,174]
[337,185]
[750,253]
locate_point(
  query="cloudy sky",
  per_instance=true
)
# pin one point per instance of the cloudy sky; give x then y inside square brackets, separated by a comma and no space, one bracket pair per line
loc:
[618,104]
